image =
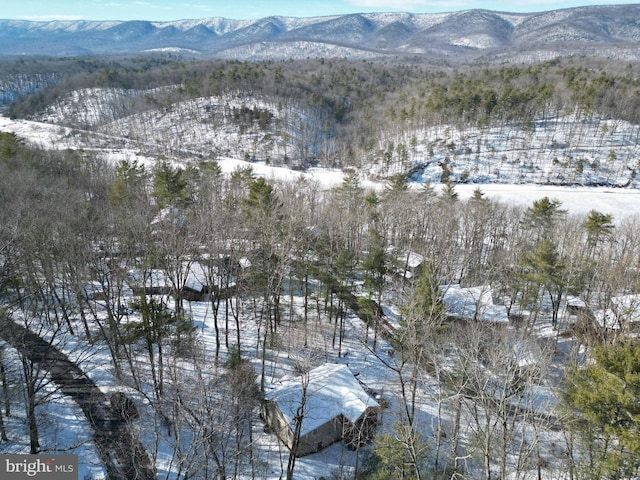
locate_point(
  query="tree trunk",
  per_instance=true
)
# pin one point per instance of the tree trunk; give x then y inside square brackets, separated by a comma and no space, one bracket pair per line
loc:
[5,386]
[306,306]
[297,429]
[236,316]
[30,384]
[3,431]
[215,302]
[34,441]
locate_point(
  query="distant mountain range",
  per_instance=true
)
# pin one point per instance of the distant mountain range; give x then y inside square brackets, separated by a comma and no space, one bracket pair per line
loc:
[472,35]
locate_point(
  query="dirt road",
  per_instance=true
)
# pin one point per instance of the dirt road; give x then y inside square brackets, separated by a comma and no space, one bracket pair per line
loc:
[123,455]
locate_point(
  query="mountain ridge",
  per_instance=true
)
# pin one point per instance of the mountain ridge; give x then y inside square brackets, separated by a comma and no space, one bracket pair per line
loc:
[468,35]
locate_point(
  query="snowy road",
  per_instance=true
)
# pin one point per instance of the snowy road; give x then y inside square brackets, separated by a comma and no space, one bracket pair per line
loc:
[124,456]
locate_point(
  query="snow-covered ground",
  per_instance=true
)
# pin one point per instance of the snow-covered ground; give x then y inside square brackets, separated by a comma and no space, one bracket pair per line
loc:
[65,429]
[556,148]
[623,203]
[620,202]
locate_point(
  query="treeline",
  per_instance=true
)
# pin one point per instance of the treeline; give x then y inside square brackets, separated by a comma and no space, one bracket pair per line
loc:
[525,93]
[82,241]
[335,85]
[339,113]
[372,94]
[77,73]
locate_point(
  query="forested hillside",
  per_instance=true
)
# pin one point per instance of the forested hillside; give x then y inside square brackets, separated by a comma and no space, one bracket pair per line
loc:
[497,341]
[569,122]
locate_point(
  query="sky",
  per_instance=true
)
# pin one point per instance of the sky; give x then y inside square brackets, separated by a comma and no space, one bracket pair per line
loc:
[168,10]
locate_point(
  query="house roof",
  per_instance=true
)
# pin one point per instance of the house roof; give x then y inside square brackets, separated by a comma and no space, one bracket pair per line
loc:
[627,307]
[624,309]
[414,260]
[406,259]
[196,277]
[577,302]
[332,390]
[156,277]
[472,303]
[607,319]
[526,353]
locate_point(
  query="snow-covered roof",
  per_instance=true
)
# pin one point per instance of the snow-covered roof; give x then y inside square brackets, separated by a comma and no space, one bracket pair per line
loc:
[331,390]
[607,319]
[472,303]
[415,260]
[623,309]
[197,277]
[576,302]
[156,277]
[627,307]
[526,353]
[406,257]
[407,261]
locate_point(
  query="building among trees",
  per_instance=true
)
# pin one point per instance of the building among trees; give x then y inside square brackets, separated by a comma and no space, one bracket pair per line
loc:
[472,303]
[314,410]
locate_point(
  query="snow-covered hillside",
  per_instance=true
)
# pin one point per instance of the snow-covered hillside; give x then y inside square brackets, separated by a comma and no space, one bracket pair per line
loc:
[565,149]
[509,186]
[356,35]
